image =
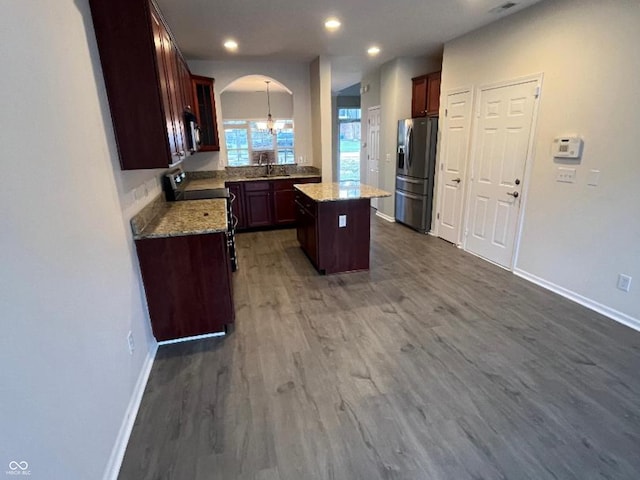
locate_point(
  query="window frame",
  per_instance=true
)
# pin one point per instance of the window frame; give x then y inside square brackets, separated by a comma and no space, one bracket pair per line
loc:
[249,125]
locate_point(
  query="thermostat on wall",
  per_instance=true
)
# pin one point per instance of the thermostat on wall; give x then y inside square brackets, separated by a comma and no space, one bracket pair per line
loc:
[567,147]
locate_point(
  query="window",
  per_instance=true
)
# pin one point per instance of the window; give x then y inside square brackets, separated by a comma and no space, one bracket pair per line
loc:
[244,138]
[349,146]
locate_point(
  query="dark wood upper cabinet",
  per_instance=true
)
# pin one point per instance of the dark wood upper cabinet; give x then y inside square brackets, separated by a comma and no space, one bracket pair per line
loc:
[205,111]
[425,98]
[144,78]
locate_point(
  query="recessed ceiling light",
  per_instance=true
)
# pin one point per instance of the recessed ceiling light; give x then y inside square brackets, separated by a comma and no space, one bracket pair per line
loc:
[231,45]
[332,24]
[373,51]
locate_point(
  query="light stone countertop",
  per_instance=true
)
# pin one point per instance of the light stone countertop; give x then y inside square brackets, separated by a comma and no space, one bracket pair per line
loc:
[332,192]
[175,219]
[205,184]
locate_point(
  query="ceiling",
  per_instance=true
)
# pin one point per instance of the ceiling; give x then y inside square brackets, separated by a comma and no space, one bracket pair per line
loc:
[293,30]
[256,83]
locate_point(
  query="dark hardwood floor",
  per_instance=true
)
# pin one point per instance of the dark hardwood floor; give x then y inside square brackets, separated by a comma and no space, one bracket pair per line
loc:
[432,365]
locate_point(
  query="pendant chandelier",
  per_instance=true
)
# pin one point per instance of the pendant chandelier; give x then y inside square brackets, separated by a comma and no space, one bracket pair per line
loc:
[270,125]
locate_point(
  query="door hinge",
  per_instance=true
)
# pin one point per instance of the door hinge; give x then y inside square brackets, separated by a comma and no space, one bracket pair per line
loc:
[438,215]
[466,233]
[536,93]
[441,166]
[446,112]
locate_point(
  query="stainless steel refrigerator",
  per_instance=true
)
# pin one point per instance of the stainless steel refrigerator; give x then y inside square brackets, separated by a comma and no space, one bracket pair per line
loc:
[415,168]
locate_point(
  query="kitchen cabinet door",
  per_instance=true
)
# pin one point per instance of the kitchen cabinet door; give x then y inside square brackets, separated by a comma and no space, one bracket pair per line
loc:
[284,195]
[433,94]
[138,58]
[187,281]
[284,208]
[425,95]
[419,96]
[169,86]
[205,111]
[258,203]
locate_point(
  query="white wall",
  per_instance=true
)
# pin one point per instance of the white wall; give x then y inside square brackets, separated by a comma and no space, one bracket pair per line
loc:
[295,76]
[575,237]
[253,105]
[321,116]
[69,282]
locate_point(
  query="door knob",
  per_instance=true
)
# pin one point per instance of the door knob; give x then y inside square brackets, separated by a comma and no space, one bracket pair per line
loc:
[513,194]
[457,180]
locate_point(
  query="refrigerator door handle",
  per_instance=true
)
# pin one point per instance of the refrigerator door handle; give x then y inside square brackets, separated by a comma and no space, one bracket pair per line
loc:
[409,195]
[410,180]
[409,143]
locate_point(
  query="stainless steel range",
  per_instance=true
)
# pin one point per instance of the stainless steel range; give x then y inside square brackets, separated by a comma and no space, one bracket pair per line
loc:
[175,187]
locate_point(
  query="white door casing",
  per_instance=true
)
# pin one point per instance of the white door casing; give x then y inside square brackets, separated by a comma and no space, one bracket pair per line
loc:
[453,165]
[502,140]
[373,150]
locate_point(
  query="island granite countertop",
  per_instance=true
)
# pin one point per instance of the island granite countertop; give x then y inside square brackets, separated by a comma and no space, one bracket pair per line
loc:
[174,219]
[332,192]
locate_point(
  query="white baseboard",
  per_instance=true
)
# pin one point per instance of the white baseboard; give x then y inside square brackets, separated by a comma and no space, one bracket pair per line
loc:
[385,217]
[195,337]
[613,314]
[117,454]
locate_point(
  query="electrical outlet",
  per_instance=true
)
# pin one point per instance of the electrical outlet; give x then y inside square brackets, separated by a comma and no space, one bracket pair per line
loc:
[130,342]
[624,282]
[342,221]
[566,175]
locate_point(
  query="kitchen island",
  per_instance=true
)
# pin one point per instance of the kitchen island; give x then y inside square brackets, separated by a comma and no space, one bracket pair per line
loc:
[333,224]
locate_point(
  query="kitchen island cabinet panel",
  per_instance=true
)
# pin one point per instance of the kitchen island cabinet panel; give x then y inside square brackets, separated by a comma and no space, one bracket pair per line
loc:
[333,248]
[187,281]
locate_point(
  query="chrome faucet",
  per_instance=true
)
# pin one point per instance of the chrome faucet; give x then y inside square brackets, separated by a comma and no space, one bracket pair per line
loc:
[268,164]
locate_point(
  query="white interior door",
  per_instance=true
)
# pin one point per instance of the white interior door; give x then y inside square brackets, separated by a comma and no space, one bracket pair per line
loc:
[457,124]
[373,150]
[501,146]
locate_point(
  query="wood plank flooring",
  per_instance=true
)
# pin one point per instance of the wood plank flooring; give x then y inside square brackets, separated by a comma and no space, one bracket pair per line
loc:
[432,365]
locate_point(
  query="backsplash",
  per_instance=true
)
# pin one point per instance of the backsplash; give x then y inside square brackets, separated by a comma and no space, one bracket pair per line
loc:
[253,171]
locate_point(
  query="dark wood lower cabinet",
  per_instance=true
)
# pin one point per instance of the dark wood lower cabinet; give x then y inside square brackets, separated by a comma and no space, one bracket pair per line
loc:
[188,284]
[330,247]
[266,203]
[258,202]
[284,207]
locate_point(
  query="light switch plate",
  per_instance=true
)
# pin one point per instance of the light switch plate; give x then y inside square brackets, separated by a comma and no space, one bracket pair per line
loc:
[594,178]
[566,175]
[342,221]
[624,282]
